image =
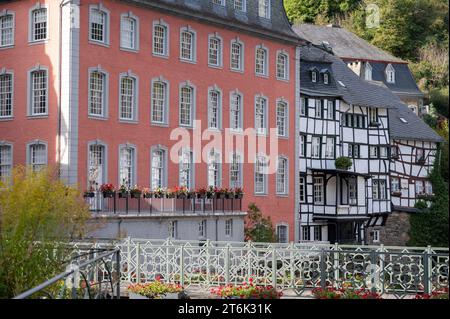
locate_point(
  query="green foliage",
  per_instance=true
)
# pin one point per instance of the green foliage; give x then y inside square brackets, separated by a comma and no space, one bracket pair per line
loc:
[430,225]
[309,10]
[343,162]
[257,227]
[439,99]
[38,214]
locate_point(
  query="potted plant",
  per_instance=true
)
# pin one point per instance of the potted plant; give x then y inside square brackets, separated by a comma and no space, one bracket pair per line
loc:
[437,294]
[135,192]
[343,162]
[220,192]
[210,192]
[344,293]
[159,193]
[181,192]
[156,290]
[89,193]
[170,193]
[201,192]
[147,193]
[246,291]
[107,190]
[123,193]
[238,192]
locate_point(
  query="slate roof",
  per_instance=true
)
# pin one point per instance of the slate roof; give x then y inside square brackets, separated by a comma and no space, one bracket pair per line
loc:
[278,27]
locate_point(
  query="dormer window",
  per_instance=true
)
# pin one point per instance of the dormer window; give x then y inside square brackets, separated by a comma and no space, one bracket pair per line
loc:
[326,78]
[368,72]
[264,9]
[390,74]
[314,76]
[219,2]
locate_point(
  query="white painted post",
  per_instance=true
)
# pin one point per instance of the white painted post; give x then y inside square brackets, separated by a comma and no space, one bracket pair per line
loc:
[336,265]
[208,265]
[181,265]
[129,258]
[430,269]
[227,264]
[274,267]
[292,264]
[138,267]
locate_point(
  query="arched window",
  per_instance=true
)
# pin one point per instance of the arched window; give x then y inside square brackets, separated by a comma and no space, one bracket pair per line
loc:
[187,107]
[129,32]
[261,61]
[282,66]
[160,38]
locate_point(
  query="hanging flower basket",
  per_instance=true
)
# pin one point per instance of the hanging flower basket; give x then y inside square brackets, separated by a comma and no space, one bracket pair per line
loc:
[107,190]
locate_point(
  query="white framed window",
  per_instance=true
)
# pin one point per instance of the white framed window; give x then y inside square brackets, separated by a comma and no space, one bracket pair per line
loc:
[202,229]
[352,190]
[97,164]
[186,168]
[282,118]
[420,189]
[188,44]
[383,152]
[373,151]
[160,38]
[229,227]
[353,150]
[428,187]
[5,162]
[240,5]
[127,165]
[235,170]
[282,176]
[37,155]
[187,105]
[420,155]
[128,97]
[303,106]
[38,91]
[237,55]
[160,101]
[6,29]
[99,24]
[306,235]
[261,115]
[261,166]
[318,190]
[6,95]
[317,236]
[158,167]
[368,72]
[302,191]
[302,145]
[329,147]
[214,108]
[390,74]
[379,189]
[318,108]
[261,64]
[376,236]
[215,51]
[330,110]
[282,66]
[236,109]
[264,9]
[129,31]
[326,78]
[173,229]
[38,23]
[282,233]
[316,146]
[373,116]
[214,168]
[98,92]
[314,76]
[395,184]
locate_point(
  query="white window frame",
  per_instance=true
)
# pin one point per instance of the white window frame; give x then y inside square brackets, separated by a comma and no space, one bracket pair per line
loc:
[135,100]
[6,165]
[285,228]
[218,119]
[104,178]
[265,61]
[4,15]
[31,24]
[30,108]
[285,120]
[314,76]
[375,236]
[285,66]
[135,36]
[240,68]
[105,92]
[330,107]
[368,72]
[318,109]
[302,188]
[30,154]
[4,95]
[373,151]
[330,147]
[191,174]
[428,188]
[163,168]
[202,229]
[193,44]
[237,164]
[318,190]
[303,106]
[166,96]
[282,186]
[242,7]
[303,144]
[229,227]
[219,2]
[214,168]
[316,148]
[106,26]
[390,73]
[165,39]
[326,78]
[306,233]
[260,172]
[395,184]
[264,9]
[192,110]
[239,114]
[261,130]
[172,229]
[133,163]
[219,63]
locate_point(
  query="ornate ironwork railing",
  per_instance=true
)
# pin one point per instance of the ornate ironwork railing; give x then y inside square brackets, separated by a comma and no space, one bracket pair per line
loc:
[391,271]
[117,204]
[91,274]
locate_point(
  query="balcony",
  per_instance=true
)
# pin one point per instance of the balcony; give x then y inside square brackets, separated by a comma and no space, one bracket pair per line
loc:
[137,205]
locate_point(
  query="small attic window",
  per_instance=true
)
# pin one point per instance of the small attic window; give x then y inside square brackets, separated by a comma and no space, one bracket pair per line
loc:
[390,74]
[314,76]
[326,78]
[403,120]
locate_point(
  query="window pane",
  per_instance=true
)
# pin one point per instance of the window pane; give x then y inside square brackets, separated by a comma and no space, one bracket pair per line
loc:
[159,40]
[261,61]
[39,92]
[98,19]
[282,118]
[157,169]
[236,56]
[6,30]
[96,85]
[39,24]
[187,45]
[38,156]
[214,51]
[186,98]
[158,102]
[128,36]
[213,112]
[5,162]
[5,95]
[127,98]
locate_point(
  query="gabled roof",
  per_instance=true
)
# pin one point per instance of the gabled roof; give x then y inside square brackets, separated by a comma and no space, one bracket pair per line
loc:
[277,27]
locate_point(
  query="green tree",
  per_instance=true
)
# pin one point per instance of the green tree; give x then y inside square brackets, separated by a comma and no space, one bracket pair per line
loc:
[38,215]
[309,11]
[257,227]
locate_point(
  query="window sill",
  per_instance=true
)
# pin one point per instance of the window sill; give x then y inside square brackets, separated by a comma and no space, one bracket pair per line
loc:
[37,42]
[101,118]
[188,61]
[264,76]
[159,124]
[283,195]
[283,80]
[128,121]
[283,137]
[102,44]
[162,56]
[5,47]
[260,194]
[6,118]
[43,116]
[219,67]
[129,50]
[237,71]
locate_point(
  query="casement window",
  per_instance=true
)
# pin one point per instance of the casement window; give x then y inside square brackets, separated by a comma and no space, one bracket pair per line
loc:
[282,176]
[302,191]
[38,92]
[359,121]
[173,229]
[352,190]
[282,119]
[368,72]
[215,51]
[420,155]
[326,78]
[282,66]
[318,108]
[373,116]
[261,174]
[353,150]
[214,109]
[99,24]
[6,95]
[261,115]
[97,165]
[317,233]
[383,152]
[261,61]
[236,170]
[129,32]
[306,233]
[373,151]
[39,24]
[5,162]
[158,167]
[229,227]
[214,169]
[395,184]
[37,156]
[127,166]
[302,145]
[420,189]
[316,146]
[240,5]
[237,56]
[394,152]
[282,233]
[160,39]
[318,190]
[330,110]
[6,30]
[314,76]
[159,102]
[202,229]
[379,189]
[264,9]
[186,168]
[187,45]
[375,236]
[390,74]
[97,93]
[428,187]
[187,107]
[329,147]
[303,106]
[236,109]
[128,98]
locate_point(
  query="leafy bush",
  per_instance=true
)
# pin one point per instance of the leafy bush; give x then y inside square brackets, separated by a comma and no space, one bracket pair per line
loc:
[344,293]
[38,215]
[247,291]
[257,227]
[343,162]
[155,289]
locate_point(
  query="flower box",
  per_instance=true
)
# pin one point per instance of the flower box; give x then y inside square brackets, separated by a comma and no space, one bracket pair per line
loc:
[156,290]
[135,195]
[89,194]
[108,194]
[148,195]
[123,194]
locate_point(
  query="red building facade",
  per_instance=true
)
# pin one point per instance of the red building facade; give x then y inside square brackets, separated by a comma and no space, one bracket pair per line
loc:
[99,87]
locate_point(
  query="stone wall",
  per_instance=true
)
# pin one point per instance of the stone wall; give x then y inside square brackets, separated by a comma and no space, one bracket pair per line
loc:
[395,232]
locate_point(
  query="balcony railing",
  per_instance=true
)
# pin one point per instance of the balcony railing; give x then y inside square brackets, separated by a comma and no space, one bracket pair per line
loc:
[138,205]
